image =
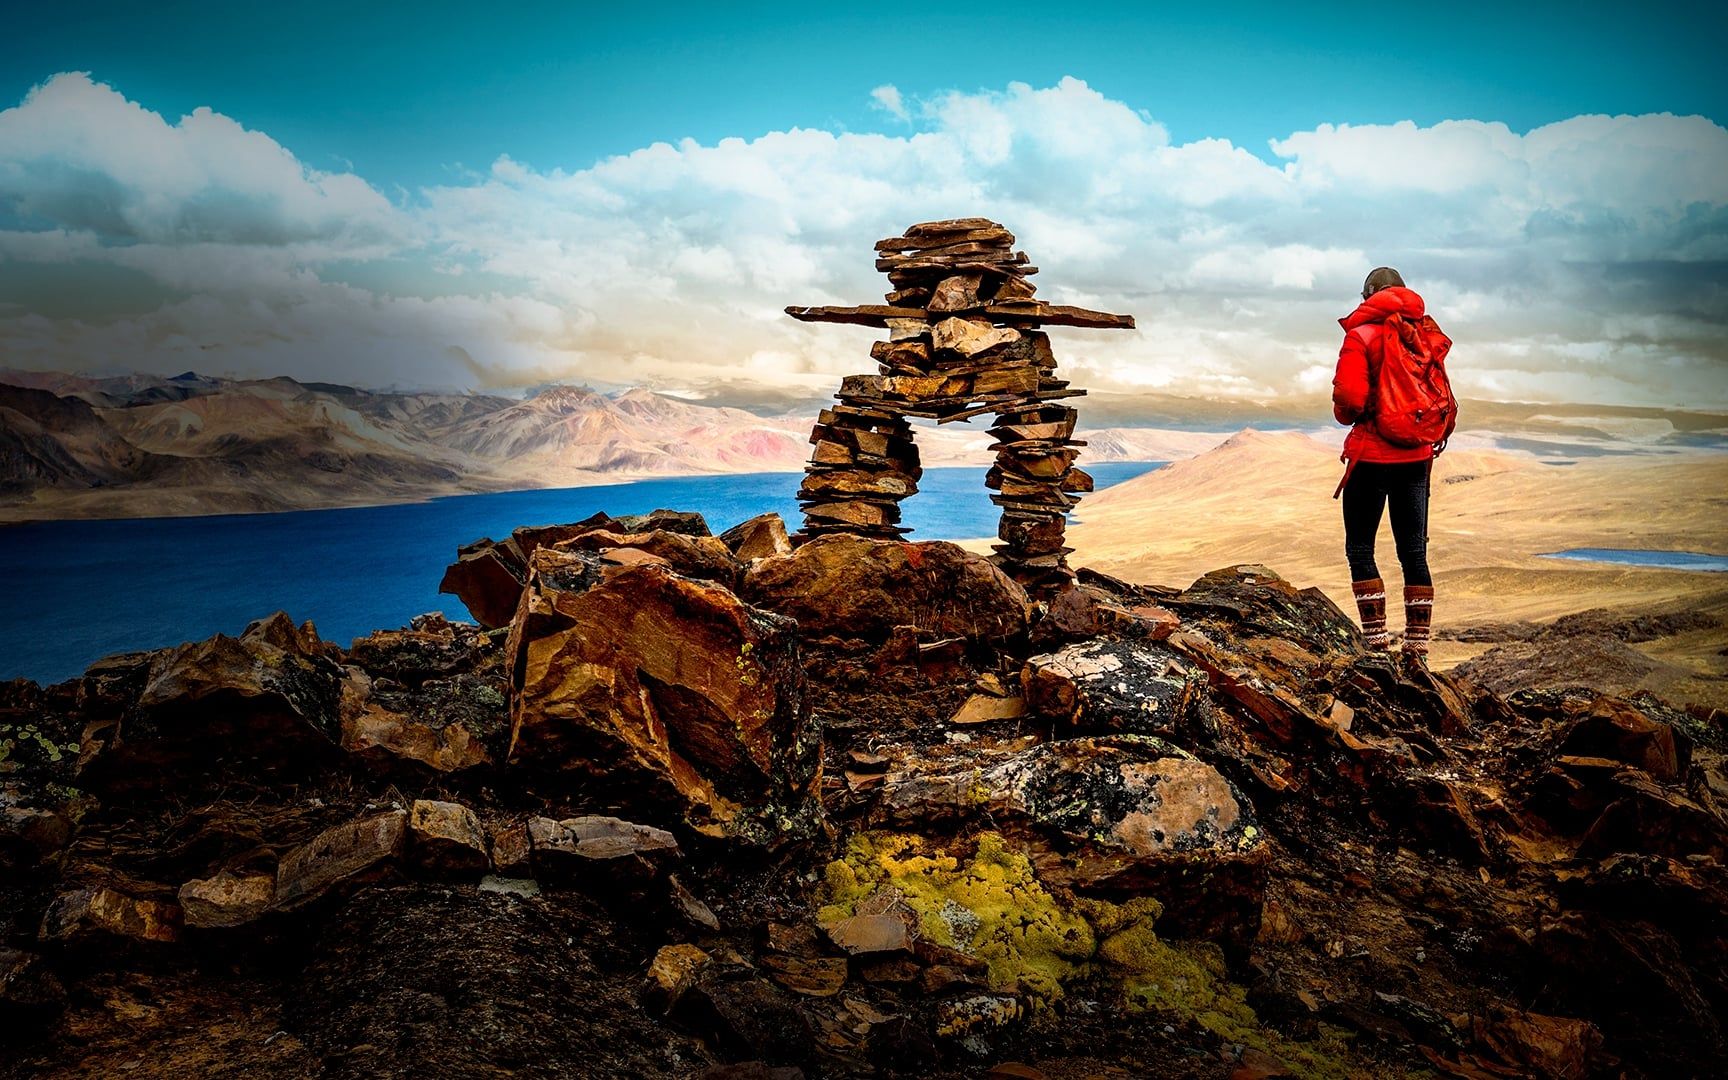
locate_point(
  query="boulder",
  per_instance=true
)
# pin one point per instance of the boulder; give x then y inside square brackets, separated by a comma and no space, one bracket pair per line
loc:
[445,838]
[267,702]
[1619,731]
[93,915]
[226,899]
[672,696]
[487,577]
[854,588]
[345,854]
[1112,816]
[759,538]
[1133,687]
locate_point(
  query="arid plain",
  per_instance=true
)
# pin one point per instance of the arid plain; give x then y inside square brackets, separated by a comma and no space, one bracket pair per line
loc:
[1265,498]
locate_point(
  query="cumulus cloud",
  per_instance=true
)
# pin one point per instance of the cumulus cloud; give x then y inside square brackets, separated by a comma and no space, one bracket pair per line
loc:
[1583,260]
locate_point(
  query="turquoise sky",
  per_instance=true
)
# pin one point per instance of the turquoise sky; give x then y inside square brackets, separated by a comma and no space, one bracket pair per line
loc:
[405,93]
[501,196]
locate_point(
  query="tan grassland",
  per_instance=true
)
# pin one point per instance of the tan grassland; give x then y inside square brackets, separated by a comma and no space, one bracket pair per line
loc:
[1266,498]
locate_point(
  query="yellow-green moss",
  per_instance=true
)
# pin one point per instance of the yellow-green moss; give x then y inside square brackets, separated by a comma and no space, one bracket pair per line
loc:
[991,905]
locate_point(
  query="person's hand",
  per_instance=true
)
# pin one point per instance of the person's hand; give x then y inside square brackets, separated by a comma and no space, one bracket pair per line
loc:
[1439,447]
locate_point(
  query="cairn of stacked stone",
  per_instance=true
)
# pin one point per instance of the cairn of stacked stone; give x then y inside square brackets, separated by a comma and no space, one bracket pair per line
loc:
[963,340]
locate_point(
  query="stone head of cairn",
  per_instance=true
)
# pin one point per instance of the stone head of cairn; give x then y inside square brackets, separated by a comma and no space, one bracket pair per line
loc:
[963,340]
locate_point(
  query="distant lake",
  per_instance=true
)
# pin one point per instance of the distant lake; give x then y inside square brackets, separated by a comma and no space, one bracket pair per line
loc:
[76,591]
[1659,560]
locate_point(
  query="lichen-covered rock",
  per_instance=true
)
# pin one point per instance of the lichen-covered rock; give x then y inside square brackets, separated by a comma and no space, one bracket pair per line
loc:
[1119,815]
[1133,687]
[683,703]
[348,853]
[92,914]
[1238,603]
[445,838]
[226,899]
[858,589]
[267,701]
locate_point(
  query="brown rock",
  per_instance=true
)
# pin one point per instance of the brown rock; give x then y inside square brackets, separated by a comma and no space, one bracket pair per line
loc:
[1617,729]
[226,900]
[487,577]
[386,738]
[446,838]
[859,935]
[600,851]
[983,708]
[346,853]
[856,588]
[90,915]
[705,558]
[968,338]
[674,970]
[672,695]
[268,701]
[957,293]
[816,976]
[511,850]
[760,537]
[1551,1047]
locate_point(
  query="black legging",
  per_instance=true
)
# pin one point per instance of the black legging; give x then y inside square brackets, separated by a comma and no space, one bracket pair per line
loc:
[1373,487]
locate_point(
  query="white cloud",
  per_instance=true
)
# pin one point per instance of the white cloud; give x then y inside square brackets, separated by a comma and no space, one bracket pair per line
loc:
[1582,260]
[78,154]
[887,98]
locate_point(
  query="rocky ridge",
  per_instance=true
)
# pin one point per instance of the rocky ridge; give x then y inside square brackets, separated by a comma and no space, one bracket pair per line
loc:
[697,805]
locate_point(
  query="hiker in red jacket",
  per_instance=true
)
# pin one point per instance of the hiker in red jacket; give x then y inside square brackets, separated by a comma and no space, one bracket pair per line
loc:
[1401,417]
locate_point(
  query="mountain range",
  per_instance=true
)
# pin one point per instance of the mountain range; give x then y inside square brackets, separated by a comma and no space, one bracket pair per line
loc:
[136,445]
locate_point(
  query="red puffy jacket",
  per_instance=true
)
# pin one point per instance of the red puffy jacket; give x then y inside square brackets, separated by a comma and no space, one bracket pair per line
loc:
[1352,384]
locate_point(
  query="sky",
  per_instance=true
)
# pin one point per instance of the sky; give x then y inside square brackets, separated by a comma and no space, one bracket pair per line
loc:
[422,197]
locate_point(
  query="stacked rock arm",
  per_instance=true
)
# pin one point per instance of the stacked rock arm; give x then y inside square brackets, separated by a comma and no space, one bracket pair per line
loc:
[962,341]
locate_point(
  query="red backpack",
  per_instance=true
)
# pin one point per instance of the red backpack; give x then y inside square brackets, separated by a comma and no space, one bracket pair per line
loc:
[1410,402]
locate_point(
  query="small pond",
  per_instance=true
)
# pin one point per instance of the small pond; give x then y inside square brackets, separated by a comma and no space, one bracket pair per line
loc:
[1659,560]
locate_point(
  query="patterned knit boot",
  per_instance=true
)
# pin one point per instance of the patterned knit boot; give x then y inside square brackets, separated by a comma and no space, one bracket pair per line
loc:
[1418,620]
[1371,605]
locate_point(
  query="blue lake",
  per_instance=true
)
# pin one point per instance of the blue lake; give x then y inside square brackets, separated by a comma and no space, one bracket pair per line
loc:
[1660,560]
[75,591]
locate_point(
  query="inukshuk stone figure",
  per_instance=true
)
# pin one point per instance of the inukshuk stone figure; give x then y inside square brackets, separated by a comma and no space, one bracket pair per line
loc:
[963,340]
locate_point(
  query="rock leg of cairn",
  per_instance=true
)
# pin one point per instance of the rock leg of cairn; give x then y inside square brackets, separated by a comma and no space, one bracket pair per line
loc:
[962,341]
